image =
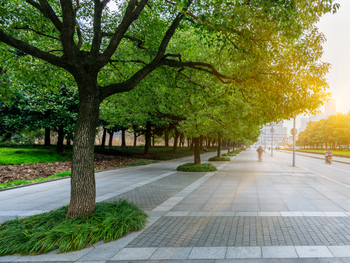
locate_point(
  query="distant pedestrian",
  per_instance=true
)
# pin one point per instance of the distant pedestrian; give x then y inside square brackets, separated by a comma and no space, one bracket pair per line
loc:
[260,151]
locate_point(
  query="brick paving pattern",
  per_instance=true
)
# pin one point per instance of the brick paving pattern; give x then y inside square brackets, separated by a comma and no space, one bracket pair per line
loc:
[221,231]
[153,194]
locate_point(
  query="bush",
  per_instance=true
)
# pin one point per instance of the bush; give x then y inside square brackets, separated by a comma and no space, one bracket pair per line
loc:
[228,154]
[39,179]
[49,231]
[191,167]
[140,162]
[219,159]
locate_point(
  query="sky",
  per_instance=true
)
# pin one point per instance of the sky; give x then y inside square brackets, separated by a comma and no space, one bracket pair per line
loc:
[336,28]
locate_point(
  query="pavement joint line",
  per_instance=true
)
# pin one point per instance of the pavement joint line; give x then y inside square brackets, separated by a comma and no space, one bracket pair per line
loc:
[238,252]
[253,213]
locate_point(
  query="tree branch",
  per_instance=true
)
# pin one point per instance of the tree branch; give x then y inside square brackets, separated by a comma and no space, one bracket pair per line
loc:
[47,11]
[128,61]
[131,14]
[31,50]
[67,35]
[37,32]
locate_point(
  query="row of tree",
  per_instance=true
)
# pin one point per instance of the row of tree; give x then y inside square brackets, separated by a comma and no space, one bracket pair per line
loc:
[218,69]
[327,133]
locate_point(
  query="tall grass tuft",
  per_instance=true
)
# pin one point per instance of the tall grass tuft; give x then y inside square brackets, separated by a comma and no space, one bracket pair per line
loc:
[52,230]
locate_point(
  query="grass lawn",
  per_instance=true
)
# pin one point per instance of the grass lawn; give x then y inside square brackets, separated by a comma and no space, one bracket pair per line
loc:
[39,179]
[29,154]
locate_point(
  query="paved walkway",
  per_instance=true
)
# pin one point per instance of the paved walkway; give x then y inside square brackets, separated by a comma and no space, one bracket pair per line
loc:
[246,212]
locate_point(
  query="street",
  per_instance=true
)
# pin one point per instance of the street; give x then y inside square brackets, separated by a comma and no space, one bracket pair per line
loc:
[335,171]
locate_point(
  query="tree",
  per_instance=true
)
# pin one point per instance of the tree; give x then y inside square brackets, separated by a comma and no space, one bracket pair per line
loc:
[53,31]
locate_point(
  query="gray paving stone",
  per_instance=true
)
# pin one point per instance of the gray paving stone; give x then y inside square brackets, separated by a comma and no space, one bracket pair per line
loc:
[279,252]
[243,252]
[208,253]
[295,260]
[172,253]
[9,258]
[242,260]
[340,251]
[100,253]
[52,256]
[313,251]
[134,254]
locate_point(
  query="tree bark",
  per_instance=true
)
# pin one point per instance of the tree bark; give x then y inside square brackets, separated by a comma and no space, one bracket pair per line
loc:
[228,147]
[135,139]
[166,138]
[181,139]
[123,138]
[104,135]
[110,144]
[188,142]
[201,142]
[208,143]
[176,137]
[197,154]
[148,137]
[83,187]
[219,147]
[60,139]
[47,137]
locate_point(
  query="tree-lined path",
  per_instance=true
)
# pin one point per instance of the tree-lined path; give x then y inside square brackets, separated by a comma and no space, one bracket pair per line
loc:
[251,210]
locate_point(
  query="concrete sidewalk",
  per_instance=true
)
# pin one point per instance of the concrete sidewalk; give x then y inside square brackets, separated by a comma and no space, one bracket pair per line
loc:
[246,212]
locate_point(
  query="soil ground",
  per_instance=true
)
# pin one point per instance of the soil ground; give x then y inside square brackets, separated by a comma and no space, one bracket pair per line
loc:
[9,173]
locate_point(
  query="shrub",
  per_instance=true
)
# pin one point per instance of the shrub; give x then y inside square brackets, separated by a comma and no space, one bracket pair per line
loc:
[228,154]
[140,162]
[191,167]
[49,231]
[219,159]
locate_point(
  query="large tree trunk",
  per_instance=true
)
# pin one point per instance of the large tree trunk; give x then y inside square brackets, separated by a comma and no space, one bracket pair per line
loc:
[219,147]
[110,144]
[104,135]
[148,138]
[47,137]
[166,138]
[208,143]
[228,146]
[60,139]
[123,138]
[197,154]
[135,139]
[83,187]
[176,137]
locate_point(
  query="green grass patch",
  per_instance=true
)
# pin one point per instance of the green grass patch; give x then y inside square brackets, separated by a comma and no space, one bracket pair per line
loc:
[26,155]
[140,162]
[50,231]
[219,159]
[39,179]
[228,154]
[191,167]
